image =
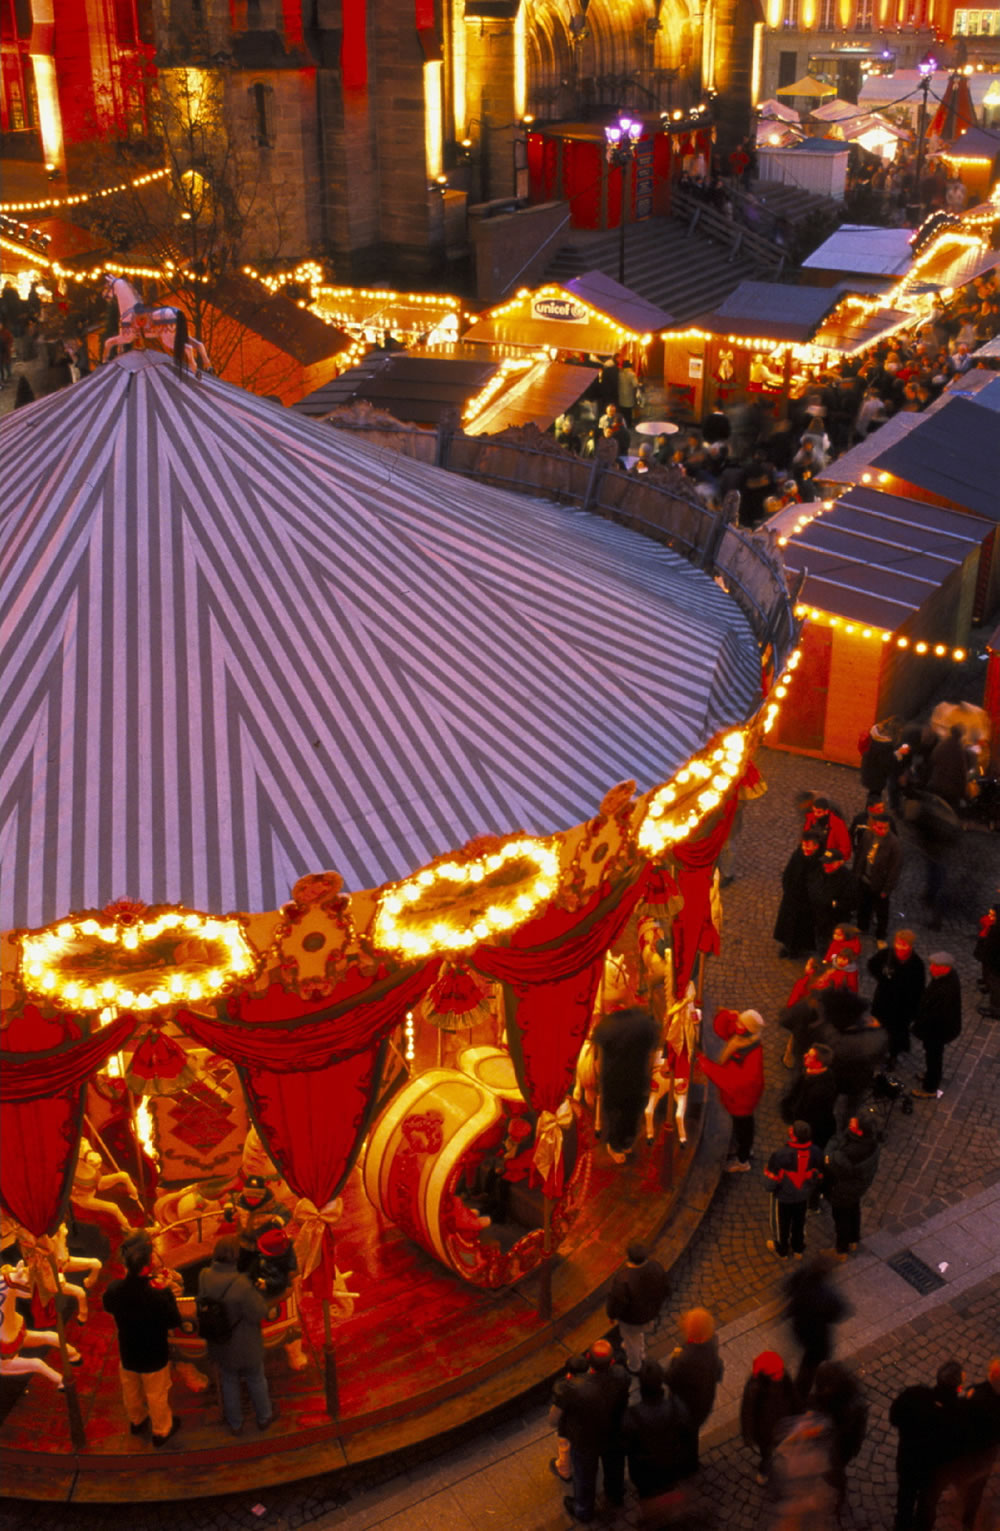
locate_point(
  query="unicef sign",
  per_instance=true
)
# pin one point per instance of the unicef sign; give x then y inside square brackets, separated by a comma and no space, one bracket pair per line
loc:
[563,309]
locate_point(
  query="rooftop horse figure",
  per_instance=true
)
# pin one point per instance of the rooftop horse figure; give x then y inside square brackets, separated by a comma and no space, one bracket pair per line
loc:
[139,321]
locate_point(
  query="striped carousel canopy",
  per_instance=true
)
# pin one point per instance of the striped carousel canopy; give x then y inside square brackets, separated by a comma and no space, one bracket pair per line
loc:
[239,646]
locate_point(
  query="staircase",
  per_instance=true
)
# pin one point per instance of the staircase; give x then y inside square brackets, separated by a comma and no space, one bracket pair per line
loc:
[792,203]
[685,273]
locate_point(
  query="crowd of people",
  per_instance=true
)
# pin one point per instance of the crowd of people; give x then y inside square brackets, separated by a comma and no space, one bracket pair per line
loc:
[774,462]
[617,1412]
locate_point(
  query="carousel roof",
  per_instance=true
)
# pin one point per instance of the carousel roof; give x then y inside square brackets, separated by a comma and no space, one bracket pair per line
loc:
[239,646]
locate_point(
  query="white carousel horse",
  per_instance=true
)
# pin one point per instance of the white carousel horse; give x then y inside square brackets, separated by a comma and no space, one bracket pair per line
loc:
[139,321]
[15,1335]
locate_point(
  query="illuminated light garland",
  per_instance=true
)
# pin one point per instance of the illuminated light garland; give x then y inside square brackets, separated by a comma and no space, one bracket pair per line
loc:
[166,273]
[676,809]
[78,198]
[920,646]
[553,290]
[416,936]
[45,953]
[409,1034]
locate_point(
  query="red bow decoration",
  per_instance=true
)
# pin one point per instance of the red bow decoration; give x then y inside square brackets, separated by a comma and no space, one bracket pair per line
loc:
[660,887]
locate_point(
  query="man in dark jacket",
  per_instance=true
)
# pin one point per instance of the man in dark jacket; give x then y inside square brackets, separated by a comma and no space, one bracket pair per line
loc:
[851,1165]
[832,897]
[144,1309]
[877,865]
[793,926]
[769,1398]
[637,1294]
[593,1408]
[814,1308]
[929,1421]
[982,1444]
[625,1041]
[241,1356]
[900,977]
[810,1097]
[860,1046]
[938,1020]
[660,1440]
[694,1370]
[792,1172]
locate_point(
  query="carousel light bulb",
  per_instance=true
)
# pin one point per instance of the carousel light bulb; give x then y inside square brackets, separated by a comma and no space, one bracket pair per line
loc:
[480,930]
[130,939]
[89,928]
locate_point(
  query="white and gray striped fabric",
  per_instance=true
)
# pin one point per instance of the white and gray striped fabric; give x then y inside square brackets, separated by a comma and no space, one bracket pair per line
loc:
[239,646]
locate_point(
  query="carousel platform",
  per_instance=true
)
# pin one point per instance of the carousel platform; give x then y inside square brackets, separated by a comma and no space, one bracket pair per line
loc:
[424,1355]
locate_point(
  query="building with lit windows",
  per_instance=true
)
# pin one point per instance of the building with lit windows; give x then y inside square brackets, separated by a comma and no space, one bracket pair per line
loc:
[386,117]
[842,40]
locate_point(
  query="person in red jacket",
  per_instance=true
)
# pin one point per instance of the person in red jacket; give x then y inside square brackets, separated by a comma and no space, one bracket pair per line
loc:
[738,1075]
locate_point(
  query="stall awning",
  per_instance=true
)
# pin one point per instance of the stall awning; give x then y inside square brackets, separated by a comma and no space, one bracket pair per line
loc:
[851,327]
[771,311]
[955,260]
[876,558]
[412,387]
[535,397]
[620,303]
[954,453]
[866,251]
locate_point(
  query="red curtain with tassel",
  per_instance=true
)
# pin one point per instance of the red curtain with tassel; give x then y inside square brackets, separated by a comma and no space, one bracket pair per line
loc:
[40,1134]
[552,968]
[693,930]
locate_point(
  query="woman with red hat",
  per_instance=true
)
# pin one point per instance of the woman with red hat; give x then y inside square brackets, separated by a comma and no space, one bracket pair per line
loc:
[738,1074]
[769,1398]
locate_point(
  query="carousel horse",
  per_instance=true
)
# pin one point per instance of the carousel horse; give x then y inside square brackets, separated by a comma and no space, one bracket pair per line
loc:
[138,320]
[37,1252]
[89,1178]
[15,1335]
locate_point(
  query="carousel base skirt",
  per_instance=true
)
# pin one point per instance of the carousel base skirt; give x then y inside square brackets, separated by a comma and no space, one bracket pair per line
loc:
[424,1355]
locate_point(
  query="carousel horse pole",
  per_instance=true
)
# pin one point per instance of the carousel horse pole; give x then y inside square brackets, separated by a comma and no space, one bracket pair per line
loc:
[77,1434]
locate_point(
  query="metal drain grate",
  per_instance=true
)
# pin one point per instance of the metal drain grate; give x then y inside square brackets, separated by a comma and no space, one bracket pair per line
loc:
[912,1269]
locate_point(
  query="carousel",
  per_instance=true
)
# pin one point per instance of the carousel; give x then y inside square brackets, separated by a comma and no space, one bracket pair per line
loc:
[433,1090]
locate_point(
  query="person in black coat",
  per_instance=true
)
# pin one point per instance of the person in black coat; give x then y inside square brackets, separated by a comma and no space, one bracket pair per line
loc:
[850,1168]
[900,977]
[938,1020]
[837,1393]
[593,1410]
[810,1097]
[833,897]
[813,1308]
[878,759]
[769,1398]
[625,1042]
[638,1292]
[860,1046]
[144,1308]
[240,1358]
[982,1444]
[660,1439]
[694,1370]
[794,926]
[931,1437]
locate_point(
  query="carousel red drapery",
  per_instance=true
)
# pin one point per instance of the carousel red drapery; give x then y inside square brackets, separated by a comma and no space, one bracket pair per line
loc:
[311,1067]
[551,971]
[693,930]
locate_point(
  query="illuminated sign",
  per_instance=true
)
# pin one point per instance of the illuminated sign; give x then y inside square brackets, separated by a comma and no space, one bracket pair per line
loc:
[563,309]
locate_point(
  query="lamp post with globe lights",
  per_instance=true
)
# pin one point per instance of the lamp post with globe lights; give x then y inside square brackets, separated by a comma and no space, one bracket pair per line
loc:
[927,66]
[622,140]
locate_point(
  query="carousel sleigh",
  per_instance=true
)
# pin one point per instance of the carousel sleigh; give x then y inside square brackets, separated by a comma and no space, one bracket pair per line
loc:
[449,1162]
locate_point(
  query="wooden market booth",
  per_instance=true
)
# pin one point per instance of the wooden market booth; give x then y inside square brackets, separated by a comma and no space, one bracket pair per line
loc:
[887,599]
[462,966]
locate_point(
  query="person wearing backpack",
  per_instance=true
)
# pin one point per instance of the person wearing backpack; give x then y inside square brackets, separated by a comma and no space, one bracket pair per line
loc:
[144,1309]
[230,1313]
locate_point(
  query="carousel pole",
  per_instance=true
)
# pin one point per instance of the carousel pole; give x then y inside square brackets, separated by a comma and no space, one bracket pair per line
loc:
[105,1150]
[329,1364]
[667,1154]
[139,1171]
[77,1434]
[545,1270]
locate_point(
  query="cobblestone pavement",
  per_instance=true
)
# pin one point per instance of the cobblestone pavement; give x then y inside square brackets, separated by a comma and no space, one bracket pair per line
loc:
[938,1193]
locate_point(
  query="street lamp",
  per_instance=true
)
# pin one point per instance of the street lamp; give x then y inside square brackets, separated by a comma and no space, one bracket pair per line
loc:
[623,138]
[927,66]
